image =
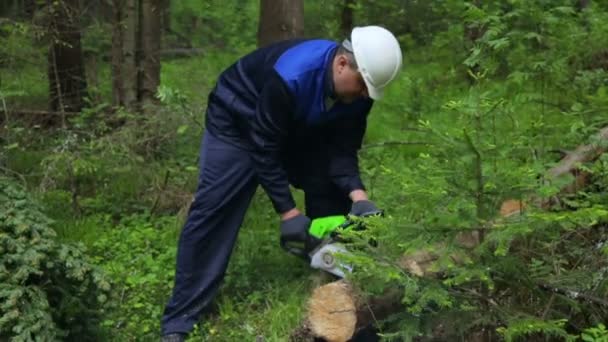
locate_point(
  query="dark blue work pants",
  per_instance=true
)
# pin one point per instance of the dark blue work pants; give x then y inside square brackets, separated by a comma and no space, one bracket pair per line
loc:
[226,185]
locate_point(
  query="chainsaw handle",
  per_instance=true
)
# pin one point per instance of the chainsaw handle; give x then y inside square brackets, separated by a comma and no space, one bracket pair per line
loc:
[295,250]
[300,248]
[378,212]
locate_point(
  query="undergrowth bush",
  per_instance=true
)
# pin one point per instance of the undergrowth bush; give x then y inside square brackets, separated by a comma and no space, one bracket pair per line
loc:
[138,255]
[48,290]
[541,275]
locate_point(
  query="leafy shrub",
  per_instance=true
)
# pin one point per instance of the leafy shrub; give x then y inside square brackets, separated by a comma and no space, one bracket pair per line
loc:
[139,257]
[48,290]
[595,334]
[540,276]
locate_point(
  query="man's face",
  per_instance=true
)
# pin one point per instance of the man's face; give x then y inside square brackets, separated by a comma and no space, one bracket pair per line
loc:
[348,83]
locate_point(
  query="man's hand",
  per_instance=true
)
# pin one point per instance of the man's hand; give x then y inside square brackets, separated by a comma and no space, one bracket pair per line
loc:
[294,228]
[363,208]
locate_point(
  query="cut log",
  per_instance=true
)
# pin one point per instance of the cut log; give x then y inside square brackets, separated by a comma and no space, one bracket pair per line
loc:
[336,311]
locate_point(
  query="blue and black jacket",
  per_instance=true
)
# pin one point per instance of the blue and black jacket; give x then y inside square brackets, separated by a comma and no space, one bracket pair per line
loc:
[278,102]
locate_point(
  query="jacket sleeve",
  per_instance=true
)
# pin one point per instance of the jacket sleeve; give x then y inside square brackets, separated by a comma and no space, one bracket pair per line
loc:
[268,129]
[344,146]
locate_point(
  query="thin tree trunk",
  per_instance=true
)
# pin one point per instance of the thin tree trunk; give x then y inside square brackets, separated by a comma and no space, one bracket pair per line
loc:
[118,91]
[66,72]
[346,23]
[150,53]
[129,54]
[279,20]
[471,34]
[165,15]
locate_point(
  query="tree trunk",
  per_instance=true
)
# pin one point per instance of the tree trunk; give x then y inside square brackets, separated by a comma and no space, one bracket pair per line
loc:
[118,91]
[150,53]
[129,55]
[22,9]
[346,23]
[165,15]
[280,20]
[136,52]
[29,8]
[8,8]
[66,73]
[471,34]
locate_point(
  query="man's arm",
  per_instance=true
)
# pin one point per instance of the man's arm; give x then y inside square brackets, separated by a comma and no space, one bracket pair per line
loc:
[268,131]
[346,141]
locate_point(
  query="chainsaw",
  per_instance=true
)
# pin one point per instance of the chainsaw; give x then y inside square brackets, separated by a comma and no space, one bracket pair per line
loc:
[324,243]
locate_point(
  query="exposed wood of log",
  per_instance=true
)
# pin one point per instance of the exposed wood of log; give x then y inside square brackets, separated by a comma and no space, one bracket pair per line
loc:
[335,311]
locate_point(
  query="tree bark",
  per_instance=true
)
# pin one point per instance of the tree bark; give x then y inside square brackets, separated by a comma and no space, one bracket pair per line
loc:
[22,9]
[165,16]
[118,32]
[335,310]
[124,53]
[280,20]
[136,45]
[129,47]
[150,53]
[582,4]
[66,72]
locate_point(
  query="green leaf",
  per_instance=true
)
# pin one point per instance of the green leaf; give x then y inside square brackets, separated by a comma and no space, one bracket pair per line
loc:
[182,129]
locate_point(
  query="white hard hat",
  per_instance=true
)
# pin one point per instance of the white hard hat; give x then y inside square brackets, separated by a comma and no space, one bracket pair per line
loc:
[378,57]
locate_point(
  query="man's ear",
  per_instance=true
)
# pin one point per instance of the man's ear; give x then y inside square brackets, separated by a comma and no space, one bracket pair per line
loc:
[341,61]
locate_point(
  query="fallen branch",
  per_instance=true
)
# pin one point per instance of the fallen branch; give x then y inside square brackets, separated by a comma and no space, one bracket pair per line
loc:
[574,294]
[569,164]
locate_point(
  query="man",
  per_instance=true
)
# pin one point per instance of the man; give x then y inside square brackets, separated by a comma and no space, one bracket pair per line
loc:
[291,113]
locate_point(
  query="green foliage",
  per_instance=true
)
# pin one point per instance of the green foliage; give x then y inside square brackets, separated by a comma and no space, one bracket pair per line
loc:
[48,290]
[19,55]
[138,256]
[205,24]
[598,333]
[482,147]
[521,328]
[96,164]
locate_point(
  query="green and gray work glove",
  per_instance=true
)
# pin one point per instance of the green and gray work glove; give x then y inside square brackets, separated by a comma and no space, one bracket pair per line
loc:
[295,228]
[364,208]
